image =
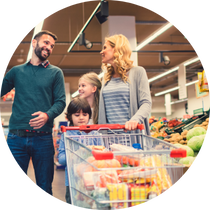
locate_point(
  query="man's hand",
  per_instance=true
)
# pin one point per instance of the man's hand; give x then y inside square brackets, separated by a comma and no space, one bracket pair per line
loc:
[39,121]
[131,125]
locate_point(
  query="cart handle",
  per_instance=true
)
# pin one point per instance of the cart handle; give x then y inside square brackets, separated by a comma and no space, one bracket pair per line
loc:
[178,153]
[98,126]
[101,155]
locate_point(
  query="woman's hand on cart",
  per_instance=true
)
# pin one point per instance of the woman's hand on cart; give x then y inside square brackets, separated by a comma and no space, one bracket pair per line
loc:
[131,125]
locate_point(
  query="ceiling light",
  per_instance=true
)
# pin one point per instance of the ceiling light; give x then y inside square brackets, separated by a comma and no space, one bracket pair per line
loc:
[191,61]
[163,74]
[104,13]
[83,28]
[85,42]
[186,63]
[175,88]
[37,29]
[154,35]
[165,59]
[191,83]
[75,94]
[101,75]
[166,91]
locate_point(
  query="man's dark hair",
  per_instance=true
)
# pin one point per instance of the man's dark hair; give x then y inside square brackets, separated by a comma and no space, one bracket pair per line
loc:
[38,35]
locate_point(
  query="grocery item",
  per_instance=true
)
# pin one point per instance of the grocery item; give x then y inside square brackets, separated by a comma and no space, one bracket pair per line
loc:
[162,177]
[132,160]
[175,138]
[93,180]
[157,125]
[100,194]
[190,152]
[138,192]
[195,132]
[173,123]
[136,173]
[93,147]
[118,192]
[196,142]
[187,160]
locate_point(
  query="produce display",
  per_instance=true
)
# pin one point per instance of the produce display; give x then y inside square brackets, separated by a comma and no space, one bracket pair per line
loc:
[191,140]
[173,123]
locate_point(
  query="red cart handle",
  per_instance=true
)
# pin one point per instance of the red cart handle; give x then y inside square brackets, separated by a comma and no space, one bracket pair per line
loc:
[100,155]
[178,153]
[98,126]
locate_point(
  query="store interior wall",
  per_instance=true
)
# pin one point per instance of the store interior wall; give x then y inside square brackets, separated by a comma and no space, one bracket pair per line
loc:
[196,103]
[178,110]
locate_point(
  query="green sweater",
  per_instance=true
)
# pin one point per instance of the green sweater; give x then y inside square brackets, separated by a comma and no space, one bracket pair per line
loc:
[36,89]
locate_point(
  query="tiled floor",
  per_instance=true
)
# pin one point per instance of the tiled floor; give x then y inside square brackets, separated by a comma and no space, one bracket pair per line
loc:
[58,185]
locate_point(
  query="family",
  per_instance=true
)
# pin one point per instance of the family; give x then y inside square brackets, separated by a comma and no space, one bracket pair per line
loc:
[122,97]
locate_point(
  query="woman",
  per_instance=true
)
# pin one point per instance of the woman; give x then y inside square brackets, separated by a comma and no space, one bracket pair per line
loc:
[125,96]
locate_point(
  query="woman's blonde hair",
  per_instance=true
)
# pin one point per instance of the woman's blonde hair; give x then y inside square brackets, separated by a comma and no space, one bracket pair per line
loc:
[94,80]
[122,54]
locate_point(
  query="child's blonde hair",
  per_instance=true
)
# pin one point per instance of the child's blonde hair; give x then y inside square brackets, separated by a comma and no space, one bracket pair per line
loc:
[122,53]
[94,80]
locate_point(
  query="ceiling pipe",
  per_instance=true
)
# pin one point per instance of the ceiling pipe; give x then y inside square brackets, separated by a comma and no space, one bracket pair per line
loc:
[100,43]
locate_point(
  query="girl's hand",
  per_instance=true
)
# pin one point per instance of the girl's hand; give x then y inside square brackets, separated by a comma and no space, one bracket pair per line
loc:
[131,125]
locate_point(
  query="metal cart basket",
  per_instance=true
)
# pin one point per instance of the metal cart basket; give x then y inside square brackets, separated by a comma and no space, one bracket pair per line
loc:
[110,170]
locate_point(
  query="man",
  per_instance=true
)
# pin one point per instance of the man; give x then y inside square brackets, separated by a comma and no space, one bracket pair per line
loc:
[39,98]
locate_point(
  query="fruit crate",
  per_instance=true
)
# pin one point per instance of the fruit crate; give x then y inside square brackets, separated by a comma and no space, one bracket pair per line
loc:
[178,128]
[188,124]
[197,121]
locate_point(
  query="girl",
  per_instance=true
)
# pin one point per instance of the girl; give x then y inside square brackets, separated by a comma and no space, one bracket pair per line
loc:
[89,88]
[78,113]
[125,96]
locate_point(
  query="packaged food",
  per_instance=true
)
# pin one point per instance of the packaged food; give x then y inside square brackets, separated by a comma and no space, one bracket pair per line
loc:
[206,86]
[93,147]
[203,83]
[118,192]
[88,180]
[100,194]
[138,193]
[153,190]
[99,179]
[138,173]
[132,160]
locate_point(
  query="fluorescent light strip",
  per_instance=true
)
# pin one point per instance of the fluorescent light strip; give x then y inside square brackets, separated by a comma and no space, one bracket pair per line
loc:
[101,75]
[83,28]
[163,74]
[175,88]
[161,30]
[173,69]
[191,61]
[37,29]
[191,83]
[166,91]
[75,94]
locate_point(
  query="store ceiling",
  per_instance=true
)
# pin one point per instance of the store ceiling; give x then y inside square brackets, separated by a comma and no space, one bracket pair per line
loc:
[67,23]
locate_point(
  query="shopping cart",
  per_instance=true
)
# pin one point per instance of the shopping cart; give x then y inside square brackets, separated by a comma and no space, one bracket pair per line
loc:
[119,170]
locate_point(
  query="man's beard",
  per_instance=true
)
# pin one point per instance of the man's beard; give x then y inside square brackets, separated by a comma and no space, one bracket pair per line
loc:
[38,52]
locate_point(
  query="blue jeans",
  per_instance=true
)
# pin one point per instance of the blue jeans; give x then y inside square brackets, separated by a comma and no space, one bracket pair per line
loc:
[41,150]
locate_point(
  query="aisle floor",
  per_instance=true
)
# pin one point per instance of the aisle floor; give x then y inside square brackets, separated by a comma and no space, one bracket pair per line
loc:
[58,185]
